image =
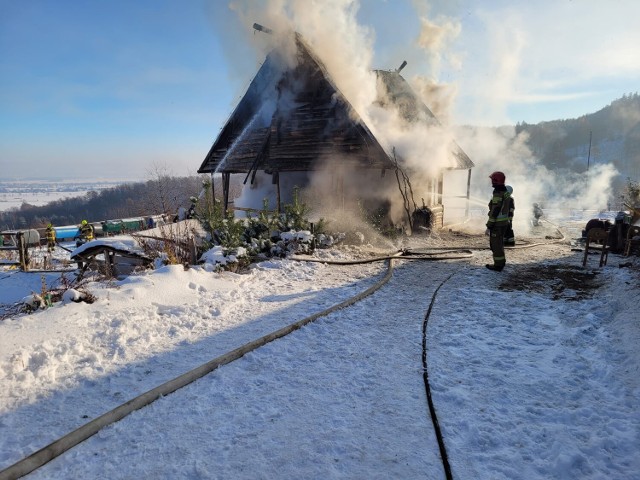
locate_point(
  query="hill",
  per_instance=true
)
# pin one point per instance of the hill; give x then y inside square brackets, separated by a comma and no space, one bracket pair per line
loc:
[610,135]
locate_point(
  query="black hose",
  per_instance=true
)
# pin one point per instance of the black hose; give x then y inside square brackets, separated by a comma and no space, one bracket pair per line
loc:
[459,254]
[70,440]
[425,376]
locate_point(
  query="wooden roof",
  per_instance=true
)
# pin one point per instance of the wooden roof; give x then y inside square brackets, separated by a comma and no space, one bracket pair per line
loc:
[293,120]
[414,110]
[296,119]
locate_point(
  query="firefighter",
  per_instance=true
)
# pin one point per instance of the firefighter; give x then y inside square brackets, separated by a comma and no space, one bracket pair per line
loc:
[51,238]
[537,214]
[498,221]
[509,235]
[86,233]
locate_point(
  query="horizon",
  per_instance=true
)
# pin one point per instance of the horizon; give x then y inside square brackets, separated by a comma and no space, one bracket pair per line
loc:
[56,177]
[114,88]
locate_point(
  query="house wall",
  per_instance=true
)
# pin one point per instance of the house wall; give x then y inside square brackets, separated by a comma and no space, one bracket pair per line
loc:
[345,190]
[253,195]
[455,197]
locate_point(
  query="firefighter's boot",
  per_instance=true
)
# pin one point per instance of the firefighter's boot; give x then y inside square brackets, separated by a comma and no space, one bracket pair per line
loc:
[495,268]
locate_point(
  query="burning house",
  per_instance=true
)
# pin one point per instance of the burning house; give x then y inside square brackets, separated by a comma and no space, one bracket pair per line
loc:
[295,128]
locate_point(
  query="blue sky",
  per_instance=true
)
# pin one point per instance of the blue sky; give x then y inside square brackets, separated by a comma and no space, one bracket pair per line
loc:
[108,89]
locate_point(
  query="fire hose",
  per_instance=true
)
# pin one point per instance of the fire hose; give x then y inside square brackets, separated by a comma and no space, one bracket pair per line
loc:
[400,255]
[70,440]
[425,375]
[82,433]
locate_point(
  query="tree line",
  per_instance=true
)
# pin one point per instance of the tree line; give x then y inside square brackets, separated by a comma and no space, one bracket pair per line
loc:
[613,133]
[164,194]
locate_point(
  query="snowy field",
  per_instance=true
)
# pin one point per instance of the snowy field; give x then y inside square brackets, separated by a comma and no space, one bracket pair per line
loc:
[13,193]
[534,371]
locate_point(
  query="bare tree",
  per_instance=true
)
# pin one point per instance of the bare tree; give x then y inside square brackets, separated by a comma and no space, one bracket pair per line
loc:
[163,197]
[404,186]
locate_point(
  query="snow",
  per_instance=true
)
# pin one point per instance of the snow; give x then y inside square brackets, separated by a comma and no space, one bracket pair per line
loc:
[531,377]
[304,236]
[217,256]
[120,242]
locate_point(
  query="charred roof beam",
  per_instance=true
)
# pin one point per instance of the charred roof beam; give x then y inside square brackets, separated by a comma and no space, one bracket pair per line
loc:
[260,28]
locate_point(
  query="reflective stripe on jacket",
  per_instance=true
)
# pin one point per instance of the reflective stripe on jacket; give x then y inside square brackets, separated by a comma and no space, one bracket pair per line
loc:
[499,207]
[86,231]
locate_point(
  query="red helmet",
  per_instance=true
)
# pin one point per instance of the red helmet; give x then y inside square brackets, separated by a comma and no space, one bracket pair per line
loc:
[497,178]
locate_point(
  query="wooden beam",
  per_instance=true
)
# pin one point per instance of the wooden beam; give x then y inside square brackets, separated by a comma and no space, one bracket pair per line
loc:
[225,192]
[275,179]
[466,210]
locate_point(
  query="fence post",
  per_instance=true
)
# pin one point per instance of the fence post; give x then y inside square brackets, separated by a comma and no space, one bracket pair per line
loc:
[23,252]
[193,250]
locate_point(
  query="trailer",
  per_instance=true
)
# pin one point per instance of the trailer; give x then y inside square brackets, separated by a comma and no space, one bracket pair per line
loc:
[67,232]
[10,238]
[124,225]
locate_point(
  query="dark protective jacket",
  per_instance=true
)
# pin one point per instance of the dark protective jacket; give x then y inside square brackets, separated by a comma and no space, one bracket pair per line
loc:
[512,208]
[509,235]
[500,208]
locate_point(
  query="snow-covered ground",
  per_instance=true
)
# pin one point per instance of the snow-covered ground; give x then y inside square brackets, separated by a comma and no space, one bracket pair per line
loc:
[13,193]
[534,371]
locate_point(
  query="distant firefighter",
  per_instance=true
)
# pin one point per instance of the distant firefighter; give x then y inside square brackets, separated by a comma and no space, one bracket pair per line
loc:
[537,214]
[509,235]
[86,233]
[51,238]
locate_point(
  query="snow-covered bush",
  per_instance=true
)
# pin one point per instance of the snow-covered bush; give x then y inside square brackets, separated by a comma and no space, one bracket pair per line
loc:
[259,235]
[33,302]
[219,258]
[301,242]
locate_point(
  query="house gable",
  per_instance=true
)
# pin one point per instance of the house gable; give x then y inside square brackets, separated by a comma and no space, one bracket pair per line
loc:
[293,119]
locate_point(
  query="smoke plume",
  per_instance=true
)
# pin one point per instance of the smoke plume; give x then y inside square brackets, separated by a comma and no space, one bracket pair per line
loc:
[345,47]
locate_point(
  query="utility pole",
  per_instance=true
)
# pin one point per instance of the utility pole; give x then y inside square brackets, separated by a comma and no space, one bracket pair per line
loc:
[589,155]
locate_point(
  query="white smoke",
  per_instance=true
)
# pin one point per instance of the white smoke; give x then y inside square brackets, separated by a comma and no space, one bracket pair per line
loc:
[501,149]
[435,38]
[345,47]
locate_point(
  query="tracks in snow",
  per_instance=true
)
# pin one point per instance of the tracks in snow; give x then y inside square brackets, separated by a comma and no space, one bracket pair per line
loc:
[382,330]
